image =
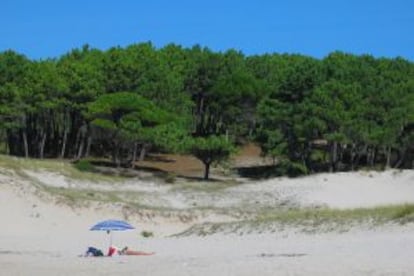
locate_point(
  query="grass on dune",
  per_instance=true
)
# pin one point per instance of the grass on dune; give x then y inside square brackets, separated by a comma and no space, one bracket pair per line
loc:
[308,220]
[63,167]
[82,196]
[202,186]
[403,213]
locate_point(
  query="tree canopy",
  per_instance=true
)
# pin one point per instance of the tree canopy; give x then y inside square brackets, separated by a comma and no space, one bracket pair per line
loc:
[342,112]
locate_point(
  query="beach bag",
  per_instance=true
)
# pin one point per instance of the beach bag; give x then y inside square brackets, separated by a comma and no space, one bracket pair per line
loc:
[94,251]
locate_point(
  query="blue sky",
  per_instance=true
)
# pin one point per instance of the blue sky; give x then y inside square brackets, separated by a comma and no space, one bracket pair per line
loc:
[50,28]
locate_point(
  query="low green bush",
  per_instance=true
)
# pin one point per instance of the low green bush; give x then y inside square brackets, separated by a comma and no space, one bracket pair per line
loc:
[147,234]
[84,166]
[170,178]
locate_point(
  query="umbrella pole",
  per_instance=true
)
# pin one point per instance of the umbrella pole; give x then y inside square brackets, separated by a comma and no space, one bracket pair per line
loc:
[110,239]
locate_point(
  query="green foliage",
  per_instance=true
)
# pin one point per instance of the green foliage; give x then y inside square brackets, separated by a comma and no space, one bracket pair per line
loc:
[381,214]
[84,166]
[147,234]
[403,212]
[171,137]
[289,168]
[360,109]
[103,123]
[317,156]
[341,112]
[210,150]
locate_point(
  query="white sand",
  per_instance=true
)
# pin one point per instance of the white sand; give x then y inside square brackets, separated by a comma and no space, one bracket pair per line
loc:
[40,237]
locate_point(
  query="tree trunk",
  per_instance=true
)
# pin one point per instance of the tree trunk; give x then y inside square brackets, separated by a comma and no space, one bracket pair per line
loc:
[115,155]
[353,154]
[134,155]
[77,143]
[359,155]
[400,159]
[373,156]
[143,152]
[88,146]
[42,145]
[334,153]
[26,146]
[65,139]
[206,171]
[80,149]
[6,144]
[368,156]
[388,153]
[80,138]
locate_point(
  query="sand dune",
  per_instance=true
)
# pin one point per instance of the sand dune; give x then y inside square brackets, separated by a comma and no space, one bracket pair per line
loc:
[41,236]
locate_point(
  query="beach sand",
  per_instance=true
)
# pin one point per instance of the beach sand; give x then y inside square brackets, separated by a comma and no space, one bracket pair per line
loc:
[41,237]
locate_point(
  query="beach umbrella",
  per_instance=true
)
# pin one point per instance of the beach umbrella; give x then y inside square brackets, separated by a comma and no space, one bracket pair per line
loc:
[112,225]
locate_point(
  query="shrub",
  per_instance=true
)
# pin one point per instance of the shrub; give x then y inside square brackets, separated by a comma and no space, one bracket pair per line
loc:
[147,234]
[290,168]
[84,166]
[170,178]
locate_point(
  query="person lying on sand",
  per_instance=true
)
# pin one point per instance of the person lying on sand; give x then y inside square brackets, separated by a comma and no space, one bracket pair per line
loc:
[127,251]
[93,252]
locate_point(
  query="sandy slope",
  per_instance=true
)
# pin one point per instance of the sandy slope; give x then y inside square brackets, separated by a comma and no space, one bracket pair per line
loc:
[40,237]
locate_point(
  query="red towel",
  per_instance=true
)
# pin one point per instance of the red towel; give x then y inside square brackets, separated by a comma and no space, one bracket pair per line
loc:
[112,250]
